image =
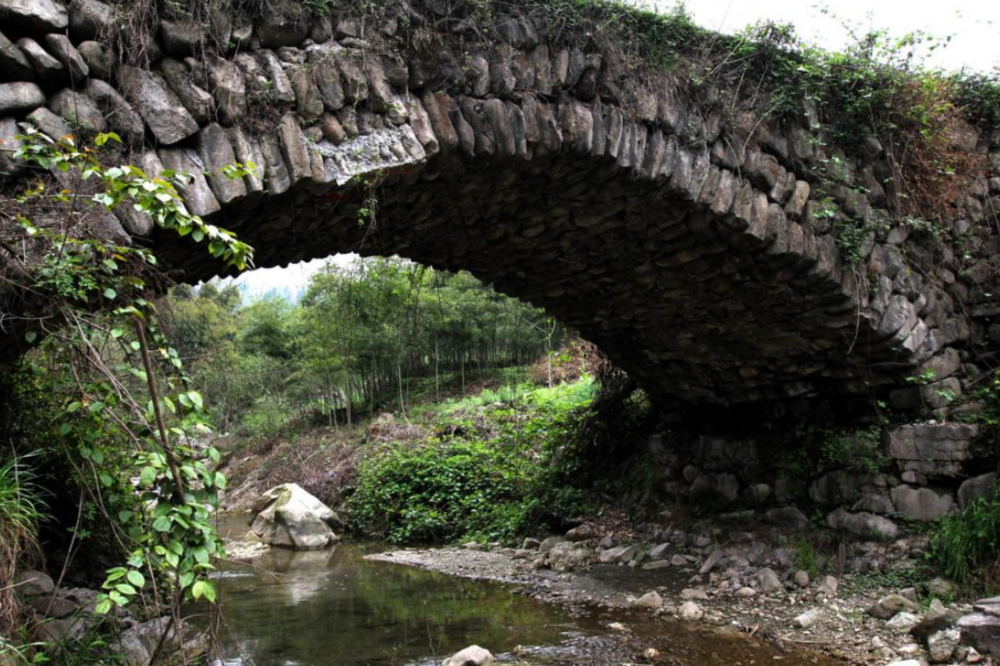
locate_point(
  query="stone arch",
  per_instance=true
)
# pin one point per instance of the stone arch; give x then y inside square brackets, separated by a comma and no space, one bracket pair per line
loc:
[684,243]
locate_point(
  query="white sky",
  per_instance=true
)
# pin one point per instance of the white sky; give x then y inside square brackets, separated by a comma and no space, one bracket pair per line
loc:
[974,26]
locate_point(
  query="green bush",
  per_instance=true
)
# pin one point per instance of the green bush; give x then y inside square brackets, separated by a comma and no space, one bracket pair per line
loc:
[439,492]
[968,545]
[266,419]
[505,465]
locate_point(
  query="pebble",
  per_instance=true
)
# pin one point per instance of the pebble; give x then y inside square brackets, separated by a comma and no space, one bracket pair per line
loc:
[694,595]
[649,600]
[808,619]
[802,578]
[690,611]
[657,564]
[903,621]
[828,587]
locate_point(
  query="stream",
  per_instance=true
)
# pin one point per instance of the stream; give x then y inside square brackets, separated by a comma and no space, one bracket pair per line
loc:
[335,608]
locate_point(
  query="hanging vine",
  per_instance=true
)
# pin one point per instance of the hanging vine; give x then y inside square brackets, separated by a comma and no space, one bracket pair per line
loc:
[127,416]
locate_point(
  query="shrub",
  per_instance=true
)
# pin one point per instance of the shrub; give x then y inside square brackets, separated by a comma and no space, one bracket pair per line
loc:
[439,492]
[267,418]
[968,544]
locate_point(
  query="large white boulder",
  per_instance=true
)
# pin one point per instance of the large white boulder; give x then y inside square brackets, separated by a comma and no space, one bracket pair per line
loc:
[470,656]
[290,517]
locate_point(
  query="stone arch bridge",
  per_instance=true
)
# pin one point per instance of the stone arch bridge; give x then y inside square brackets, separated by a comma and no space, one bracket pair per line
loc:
[692,243]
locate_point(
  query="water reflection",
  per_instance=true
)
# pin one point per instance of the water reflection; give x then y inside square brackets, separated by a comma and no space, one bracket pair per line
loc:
[332,607]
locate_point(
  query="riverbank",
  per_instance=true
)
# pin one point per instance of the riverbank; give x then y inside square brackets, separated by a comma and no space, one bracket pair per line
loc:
[829,618]
[541,619]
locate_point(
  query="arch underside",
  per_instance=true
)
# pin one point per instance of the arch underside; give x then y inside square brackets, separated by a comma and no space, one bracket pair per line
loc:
[698,311]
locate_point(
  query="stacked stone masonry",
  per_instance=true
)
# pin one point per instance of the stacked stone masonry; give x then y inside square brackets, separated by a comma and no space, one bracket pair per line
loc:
[686,243]
[931,470]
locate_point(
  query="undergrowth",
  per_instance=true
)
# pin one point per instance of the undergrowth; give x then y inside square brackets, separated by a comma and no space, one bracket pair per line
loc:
[967,546]
[488,473]
[22,507]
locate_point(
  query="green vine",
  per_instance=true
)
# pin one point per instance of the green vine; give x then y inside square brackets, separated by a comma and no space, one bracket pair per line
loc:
[126,409]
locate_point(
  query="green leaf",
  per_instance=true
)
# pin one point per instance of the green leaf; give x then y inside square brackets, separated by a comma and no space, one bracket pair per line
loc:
[161,524]
[103,607]
[136,578]
[147,477]
[220,481]
[198,589]
[30,336]
[125,588]
[110,294]
[117,333]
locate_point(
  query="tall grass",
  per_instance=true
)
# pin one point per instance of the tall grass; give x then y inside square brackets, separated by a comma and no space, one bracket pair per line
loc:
[967,546]
[21,509]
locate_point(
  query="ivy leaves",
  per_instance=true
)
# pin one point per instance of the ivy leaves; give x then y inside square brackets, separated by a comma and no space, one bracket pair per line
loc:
[129,415]
[155,196]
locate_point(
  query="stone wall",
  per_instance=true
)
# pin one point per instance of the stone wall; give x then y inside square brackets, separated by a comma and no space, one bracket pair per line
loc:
[920,472]
[617,202]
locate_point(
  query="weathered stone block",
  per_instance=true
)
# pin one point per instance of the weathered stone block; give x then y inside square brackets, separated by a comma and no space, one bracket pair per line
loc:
[120,117]
[20,97]
[936,450]
[864,525]
[158,105]
[37,15]
[78,110]
[974,488]
[197,195]
[922,504]
[13,63]
[276,30]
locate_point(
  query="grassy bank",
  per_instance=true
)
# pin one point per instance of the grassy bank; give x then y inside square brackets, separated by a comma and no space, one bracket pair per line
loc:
[508,458]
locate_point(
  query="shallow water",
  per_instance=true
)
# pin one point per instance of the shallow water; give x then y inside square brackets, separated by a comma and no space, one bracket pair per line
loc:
[334,608]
